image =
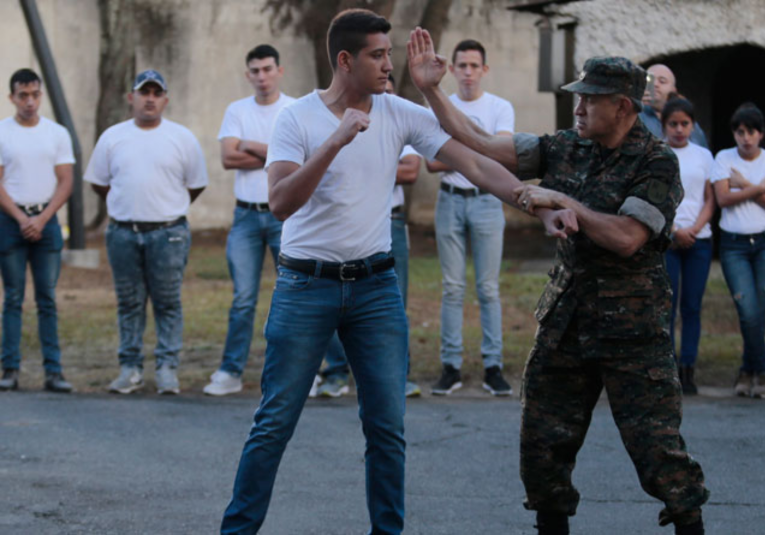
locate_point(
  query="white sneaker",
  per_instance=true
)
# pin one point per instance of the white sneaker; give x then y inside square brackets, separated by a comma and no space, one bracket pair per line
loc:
[315,387]
[223,383]
[130,380]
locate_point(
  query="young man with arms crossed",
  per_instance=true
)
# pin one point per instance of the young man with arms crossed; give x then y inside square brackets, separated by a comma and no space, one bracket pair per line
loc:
[331,169]
[463,211]
[149,169]
[244,137]
[36,162]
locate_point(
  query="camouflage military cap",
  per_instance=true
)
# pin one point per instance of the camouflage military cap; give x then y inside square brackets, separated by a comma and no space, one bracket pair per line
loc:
[609,76]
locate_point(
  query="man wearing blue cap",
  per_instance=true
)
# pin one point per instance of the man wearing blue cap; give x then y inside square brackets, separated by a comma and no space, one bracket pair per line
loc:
[604,315]
[149,170]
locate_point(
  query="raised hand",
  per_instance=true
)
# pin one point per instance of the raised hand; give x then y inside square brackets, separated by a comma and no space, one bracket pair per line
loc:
[425,66]
[353,122]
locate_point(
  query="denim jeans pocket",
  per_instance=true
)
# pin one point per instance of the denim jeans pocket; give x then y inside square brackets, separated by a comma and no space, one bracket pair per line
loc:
[385,278]
[289,280]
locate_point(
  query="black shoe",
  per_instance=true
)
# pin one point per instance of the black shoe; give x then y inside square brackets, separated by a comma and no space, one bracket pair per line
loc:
[55,382]
[10,380]
[450,381]
[552,523]
[495,383]
[687,381]
[697,528]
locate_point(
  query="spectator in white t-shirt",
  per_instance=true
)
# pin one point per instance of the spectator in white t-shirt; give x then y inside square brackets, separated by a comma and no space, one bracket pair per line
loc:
[149,169]
[466,213]
[36,161]
[331,170]
[739,183]
[244,137]
[690,255]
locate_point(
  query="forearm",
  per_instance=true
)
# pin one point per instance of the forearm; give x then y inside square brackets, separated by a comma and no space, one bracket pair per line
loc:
[101,191]
[438,167]
[9,207]
[61,194]
[461,128]
[705,215]
[731,198]
[254,148]
[287,194]
[622,235]
[242,160]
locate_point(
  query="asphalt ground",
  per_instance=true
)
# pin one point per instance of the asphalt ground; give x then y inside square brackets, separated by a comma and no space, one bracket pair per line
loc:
[145,464]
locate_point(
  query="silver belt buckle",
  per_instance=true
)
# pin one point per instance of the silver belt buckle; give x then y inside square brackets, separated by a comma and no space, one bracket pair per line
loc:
[342,276]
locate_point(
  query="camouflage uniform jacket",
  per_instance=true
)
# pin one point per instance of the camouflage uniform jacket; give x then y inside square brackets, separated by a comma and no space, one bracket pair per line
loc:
[622,305]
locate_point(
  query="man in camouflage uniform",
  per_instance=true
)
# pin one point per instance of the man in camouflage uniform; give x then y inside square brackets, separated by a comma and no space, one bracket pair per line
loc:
[604,315]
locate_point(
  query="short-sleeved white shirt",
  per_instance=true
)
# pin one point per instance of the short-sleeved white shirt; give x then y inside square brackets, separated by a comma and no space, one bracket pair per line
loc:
[29,155]
[348,215]
[398,191]
[149,171]
[493,114]
[745,217]
[247,120]
[695,169]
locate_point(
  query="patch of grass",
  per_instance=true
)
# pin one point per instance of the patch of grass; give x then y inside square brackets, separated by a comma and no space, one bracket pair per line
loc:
[89,337]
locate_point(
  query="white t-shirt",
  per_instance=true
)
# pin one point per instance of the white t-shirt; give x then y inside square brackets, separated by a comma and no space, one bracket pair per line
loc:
[348,215]
[247,120]
[149,171]
[29,155]
[695,169]
[398,191]
[746,217]
[493,114]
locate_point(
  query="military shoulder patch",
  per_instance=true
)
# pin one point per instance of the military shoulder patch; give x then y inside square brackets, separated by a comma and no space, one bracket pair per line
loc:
[657,191]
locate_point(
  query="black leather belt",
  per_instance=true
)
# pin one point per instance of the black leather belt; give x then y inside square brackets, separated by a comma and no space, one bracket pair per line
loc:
[32,209]
[257,206]
[343,271]
[397,209]
[148,226]
[471,192]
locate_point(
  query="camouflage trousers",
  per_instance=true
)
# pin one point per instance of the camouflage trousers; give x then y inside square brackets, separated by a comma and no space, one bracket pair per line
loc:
[560,390]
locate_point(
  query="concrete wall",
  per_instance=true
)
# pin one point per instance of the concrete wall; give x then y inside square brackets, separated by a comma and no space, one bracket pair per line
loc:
[199,45]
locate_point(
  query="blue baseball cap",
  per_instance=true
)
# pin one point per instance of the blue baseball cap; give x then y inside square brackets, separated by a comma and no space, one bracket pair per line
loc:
[149,76]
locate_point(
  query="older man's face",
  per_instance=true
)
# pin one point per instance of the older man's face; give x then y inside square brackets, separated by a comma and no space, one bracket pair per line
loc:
[596,116]
[663,85]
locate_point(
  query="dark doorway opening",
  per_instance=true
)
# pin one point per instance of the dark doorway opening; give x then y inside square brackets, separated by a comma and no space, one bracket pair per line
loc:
[717,81]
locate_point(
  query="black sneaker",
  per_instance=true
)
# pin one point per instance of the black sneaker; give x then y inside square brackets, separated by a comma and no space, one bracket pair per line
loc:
[450,381]
[495,383]
[10,380]
[552,523]
[55,382]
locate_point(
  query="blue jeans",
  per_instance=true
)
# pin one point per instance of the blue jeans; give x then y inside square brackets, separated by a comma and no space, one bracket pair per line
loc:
[149,265]
[306,311]
[688,271]
[337,364]
[743,263]
[250,235]
[481,218]
[44,258]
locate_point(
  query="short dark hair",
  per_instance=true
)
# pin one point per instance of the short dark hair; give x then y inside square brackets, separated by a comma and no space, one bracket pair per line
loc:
[749,116]
[262,52]
[349,29]
[24,77]
[392,79]
[674,104]
[469,44]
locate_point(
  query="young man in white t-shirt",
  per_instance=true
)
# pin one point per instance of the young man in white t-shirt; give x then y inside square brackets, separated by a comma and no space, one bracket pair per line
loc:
[36,162]
[331,170]
[464,211]
[149,169]
[244,137]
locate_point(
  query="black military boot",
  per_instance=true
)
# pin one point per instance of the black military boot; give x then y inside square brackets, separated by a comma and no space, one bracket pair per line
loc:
[687,381]
[552,523]
[697,528]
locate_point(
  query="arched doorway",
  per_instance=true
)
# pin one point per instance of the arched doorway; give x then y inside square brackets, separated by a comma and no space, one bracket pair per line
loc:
[717,81]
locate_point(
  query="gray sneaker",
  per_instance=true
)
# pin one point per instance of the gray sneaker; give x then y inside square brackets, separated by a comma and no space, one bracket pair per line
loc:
[130,380]
[413,390]
[167,381]
[10,380]
[758,385]
[55,382]
[333,387]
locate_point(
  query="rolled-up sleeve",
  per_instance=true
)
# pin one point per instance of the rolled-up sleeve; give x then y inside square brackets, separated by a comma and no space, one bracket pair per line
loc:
[528,152]
[644,212]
